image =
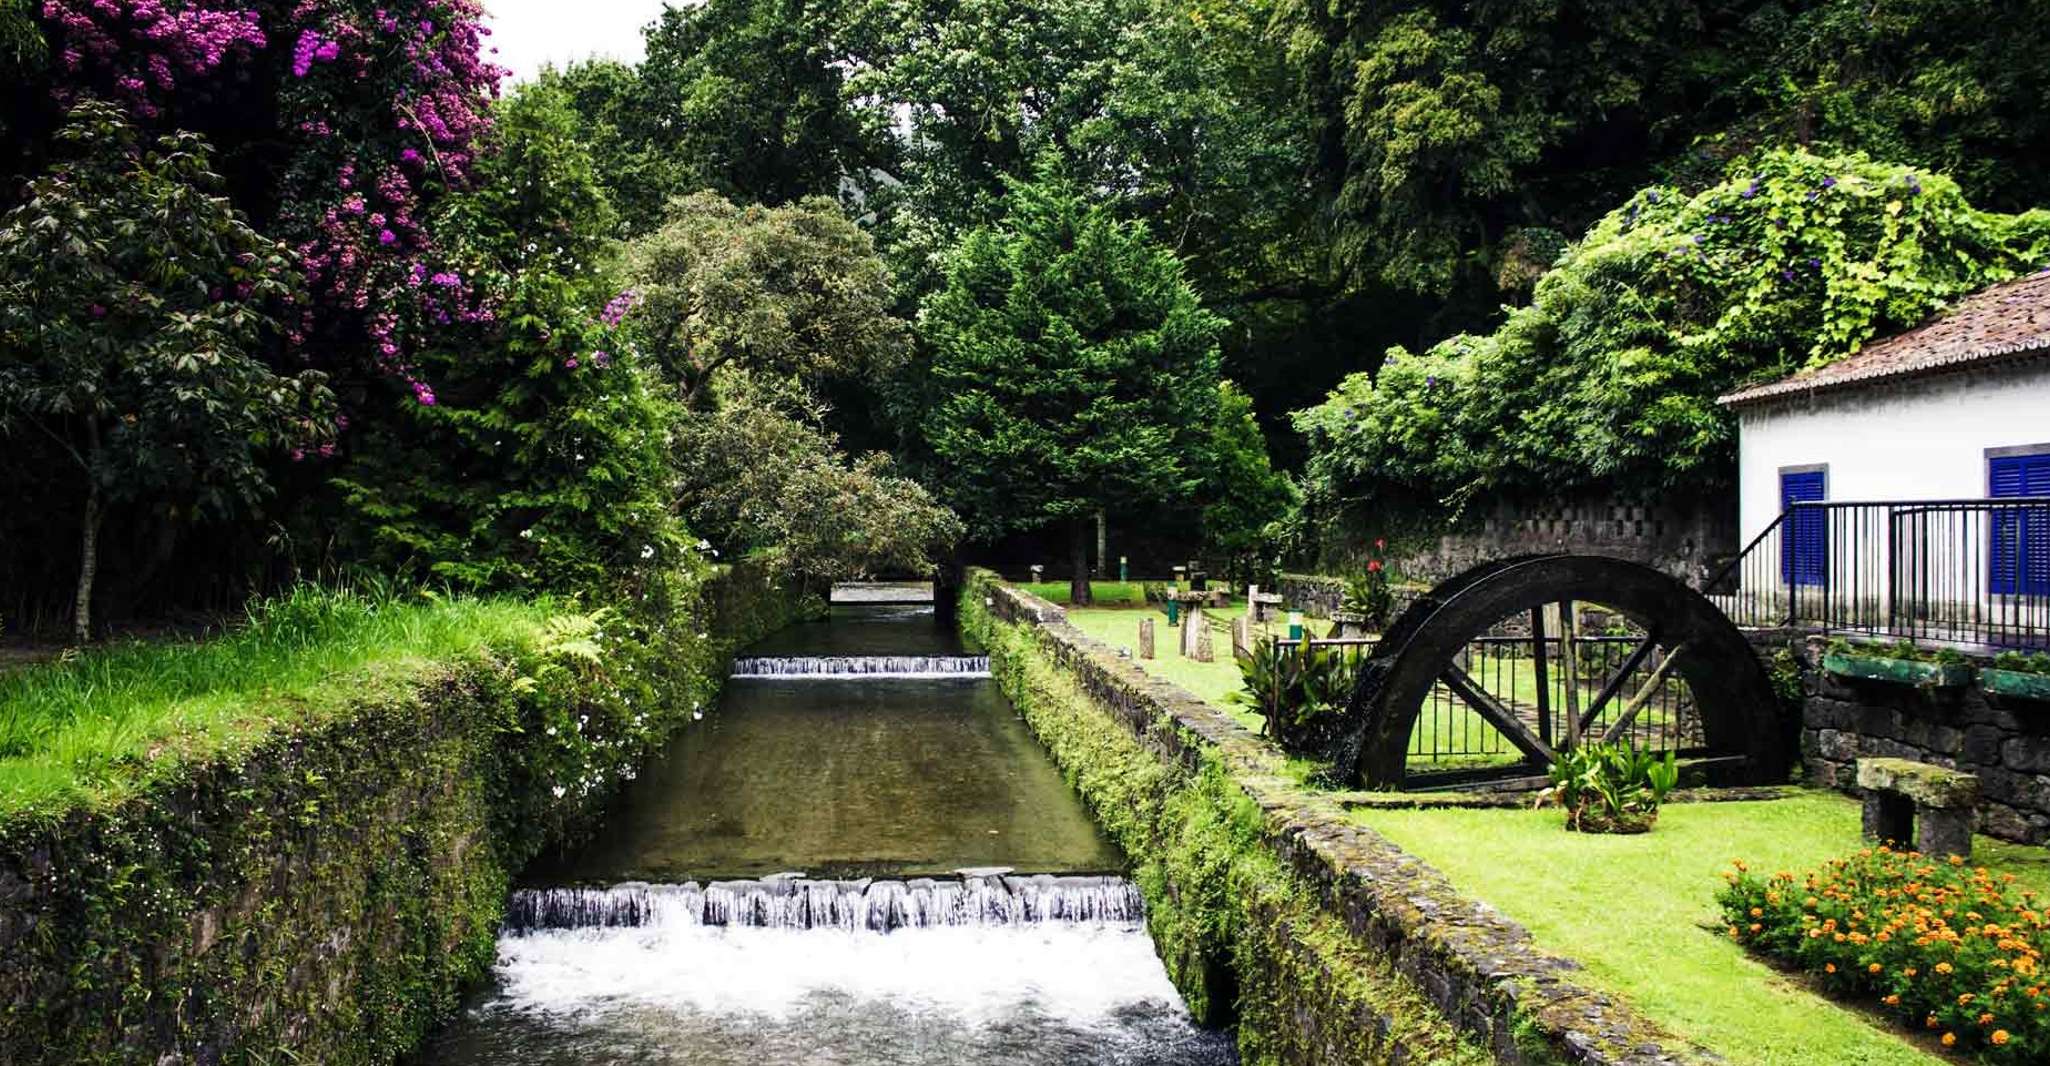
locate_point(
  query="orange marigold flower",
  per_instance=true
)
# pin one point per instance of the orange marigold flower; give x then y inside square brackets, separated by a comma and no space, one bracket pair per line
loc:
[1999,1037]
[1942,967]
[1893,999]
[1949,1039]
[1874,968]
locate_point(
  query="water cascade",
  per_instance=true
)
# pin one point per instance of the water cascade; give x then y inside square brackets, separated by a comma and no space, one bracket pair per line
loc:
[857,667]
[801,903]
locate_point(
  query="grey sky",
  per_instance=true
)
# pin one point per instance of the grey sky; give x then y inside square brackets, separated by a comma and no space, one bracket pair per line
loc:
[530,33]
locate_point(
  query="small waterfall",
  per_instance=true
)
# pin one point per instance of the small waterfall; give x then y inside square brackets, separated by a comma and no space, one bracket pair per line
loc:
[846,667]
[803,903]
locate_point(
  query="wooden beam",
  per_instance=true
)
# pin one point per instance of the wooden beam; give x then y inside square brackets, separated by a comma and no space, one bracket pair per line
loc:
[1569,663]
[1615,684]
[1637,702]
[1492,710]
[1544,673]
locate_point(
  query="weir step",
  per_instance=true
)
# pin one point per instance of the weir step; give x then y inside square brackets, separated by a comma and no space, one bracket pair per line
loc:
[852,667]
[804,903]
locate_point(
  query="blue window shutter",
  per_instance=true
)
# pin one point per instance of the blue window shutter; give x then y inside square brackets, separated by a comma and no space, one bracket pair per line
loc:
[1804,539]
[2019,563]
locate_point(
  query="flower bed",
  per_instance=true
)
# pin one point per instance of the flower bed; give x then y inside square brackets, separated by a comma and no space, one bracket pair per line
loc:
[1945,947]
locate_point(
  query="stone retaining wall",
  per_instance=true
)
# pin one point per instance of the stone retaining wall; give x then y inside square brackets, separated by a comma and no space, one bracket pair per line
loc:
[323,895]
[2007,746]
[1366,954]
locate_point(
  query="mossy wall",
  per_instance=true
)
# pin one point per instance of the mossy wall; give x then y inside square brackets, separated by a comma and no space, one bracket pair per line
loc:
[1320,940]
[324,894]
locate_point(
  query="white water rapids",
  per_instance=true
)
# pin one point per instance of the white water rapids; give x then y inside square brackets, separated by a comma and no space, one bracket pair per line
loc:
[1017,970]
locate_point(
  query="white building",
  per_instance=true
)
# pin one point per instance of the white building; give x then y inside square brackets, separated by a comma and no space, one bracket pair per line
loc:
[1931,423]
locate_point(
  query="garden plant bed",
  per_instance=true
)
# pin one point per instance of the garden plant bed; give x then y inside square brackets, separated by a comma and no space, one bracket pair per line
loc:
[1869,666]
[1640,913]
[2024,685]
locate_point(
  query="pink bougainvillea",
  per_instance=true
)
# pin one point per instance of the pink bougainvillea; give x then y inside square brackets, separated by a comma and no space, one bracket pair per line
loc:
[381,106]
[142,47]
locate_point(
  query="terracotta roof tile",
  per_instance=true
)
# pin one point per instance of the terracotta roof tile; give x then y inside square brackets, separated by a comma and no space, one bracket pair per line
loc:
[2006,320]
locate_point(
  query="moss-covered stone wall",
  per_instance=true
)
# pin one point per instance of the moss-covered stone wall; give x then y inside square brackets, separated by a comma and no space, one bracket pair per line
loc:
[324,894]
[1319,939]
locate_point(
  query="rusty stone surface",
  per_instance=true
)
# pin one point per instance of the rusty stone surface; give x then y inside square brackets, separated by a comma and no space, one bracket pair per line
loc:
[1479,967]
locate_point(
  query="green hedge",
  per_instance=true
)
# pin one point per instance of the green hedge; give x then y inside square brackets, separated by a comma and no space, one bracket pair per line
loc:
[322,891]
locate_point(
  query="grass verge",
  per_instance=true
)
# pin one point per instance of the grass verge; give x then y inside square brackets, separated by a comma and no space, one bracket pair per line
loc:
[91,727]
[1640,912]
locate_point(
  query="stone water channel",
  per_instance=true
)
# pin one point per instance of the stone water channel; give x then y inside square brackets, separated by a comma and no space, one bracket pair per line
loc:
[861,856]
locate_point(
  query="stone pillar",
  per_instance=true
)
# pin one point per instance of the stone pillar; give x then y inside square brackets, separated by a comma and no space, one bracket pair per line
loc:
[1193,625]
[1146,638]
[1204,653]
[1941,831]
[1241,636]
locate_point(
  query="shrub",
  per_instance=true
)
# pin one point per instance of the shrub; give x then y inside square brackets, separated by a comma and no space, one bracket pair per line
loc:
[1611,788]
[1942,946]
[1301,692]
[1903,650]
[2022,663]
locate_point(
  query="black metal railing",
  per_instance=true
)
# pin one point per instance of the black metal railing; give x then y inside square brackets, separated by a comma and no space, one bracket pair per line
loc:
[1450,734]
[1969,572]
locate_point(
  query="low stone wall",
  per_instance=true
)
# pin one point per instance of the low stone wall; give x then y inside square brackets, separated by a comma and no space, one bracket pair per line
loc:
[2007,747]
[323,894]
[1319,595]
[1326,943]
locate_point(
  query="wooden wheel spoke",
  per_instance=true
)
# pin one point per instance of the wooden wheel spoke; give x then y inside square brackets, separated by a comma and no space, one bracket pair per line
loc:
[1615,684]
[1496,713]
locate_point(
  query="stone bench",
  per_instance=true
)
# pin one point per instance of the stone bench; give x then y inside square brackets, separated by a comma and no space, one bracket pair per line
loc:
[1262,605]
[1919,802]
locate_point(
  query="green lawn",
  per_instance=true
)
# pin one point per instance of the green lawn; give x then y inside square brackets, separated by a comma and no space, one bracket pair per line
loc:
[88,725]
[1211,682]
[1633,909]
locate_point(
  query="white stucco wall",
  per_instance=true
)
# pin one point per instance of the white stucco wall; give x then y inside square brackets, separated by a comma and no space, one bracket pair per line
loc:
[1923,439]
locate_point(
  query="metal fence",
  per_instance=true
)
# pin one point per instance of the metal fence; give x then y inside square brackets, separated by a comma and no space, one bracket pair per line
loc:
[1450,735]
[1968,572]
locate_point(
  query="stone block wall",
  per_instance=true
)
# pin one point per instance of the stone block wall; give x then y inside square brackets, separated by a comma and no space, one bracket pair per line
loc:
[1687,537]
[2008,747]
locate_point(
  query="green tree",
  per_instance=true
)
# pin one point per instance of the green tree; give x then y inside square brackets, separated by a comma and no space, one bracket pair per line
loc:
[550,462]
[757,478]
[779,292]
[1242,494]
[132,315]
[1610,376]
[641,168]
[1072,368]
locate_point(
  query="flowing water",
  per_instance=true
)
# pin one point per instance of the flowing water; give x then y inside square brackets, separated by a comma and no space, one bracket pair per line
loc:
[860,856]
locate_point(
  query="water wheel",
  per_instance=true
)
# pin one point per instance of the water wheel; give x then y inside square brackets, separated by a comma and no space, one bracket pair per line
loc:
[1671,650]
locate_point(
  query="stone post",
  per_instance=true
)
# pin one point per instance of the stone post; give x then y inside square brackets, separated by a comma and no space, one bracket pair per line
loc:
[1194,628]
[1241,636]
[1204,653]
[1146,638]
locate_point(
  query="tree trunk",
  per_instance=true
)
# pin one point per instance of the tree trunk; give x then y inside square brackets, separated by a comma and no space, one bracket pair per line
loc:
[1102,547]
[1078,580]
[88,565]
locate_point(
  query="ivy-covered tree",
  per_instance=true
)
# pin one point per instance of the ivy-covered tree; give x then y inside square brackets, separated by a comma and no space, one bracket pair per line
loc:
[778,292]
[134,302]
[1610,375]
[548,436]
[1072,368]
